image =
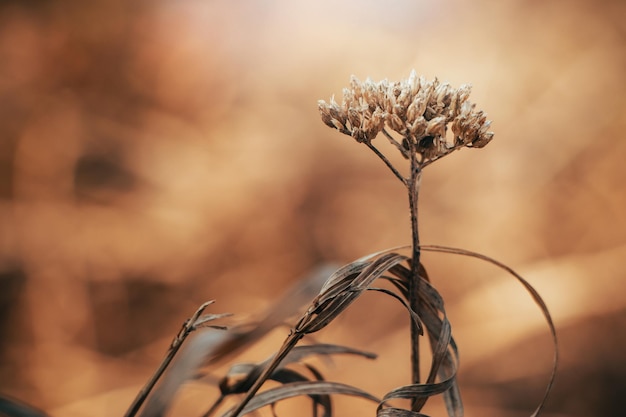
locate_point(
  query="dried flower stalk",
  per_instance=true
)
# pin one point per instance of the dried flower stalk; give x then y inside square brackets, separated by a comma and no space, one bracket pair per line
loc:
[423,113]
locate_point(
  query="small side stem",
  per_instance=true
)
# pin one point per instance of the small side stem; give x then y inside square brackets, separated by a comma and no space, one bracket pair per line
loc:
[395,143]
[388,163]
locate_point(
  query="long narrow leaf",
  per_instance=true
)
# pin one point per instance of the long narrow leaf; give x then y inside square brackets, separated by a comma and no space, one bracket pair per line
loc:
[296,389]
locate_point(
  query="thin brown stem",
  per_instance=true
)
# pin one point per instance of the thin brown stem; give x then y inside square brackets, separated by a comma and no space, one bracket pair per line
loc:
[441,155]
[412,184]
[414,280]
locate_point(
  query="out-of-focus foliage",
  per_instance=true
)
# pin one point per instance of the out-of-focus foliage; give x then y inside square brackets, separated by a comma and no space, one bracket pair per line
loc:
[154,155]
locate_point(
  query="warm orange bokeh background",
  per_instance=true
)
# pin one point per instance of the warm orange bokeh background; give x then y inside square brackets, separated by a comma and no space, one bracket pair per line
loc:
[154,155]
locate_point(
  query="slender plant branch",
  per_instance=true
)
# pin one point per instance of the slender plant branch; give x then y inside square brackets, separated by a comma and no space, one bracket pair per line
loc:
[395,143]
[432,159]
[388,163]
[188,327]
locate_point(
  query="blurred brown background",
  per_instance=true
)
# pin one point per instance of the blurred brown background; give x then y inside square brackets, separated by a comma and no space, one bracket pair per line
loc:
[154,155]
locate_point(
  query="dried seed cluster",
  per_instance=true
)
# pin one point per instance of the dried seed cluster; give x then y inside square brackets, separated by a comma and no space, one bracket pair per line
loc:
[419,110]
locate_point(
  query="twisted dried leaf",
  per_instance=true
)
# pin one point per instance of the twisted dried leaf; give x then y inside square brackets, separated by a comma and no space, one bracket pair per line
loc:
[344,287]
[444,350]
[536,298]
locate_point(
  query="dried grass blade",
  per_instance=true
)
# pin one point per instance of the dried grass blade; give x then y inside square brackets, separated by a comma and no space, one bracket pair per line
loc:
[296,389]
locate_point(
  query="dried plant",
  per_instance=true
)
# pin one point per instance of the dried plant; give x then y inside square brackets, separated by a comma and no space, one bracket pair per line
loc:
[421,112]
[430,120]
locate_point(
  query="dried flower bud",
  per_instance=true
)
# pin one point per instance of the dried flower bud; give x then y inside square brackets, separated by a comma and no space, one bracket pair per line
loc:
[396,124]
[436,127]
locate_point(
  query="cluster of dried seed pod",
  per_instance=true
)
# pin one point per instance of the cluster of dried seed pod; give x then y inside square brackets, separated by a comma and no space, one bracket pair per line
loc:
[421,111]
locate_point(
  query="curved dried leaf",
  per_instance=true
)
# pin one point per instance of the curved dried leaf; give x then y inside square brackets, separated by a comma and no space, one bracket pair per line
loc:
[418,390]
[421,391]
[356,267]
[533,293]
[414,316]
[296,389]
[444,362]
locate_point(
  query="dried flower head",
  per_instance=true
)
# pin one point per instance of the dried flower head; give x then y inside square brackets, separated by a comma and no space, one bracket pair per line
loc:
[420,111]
